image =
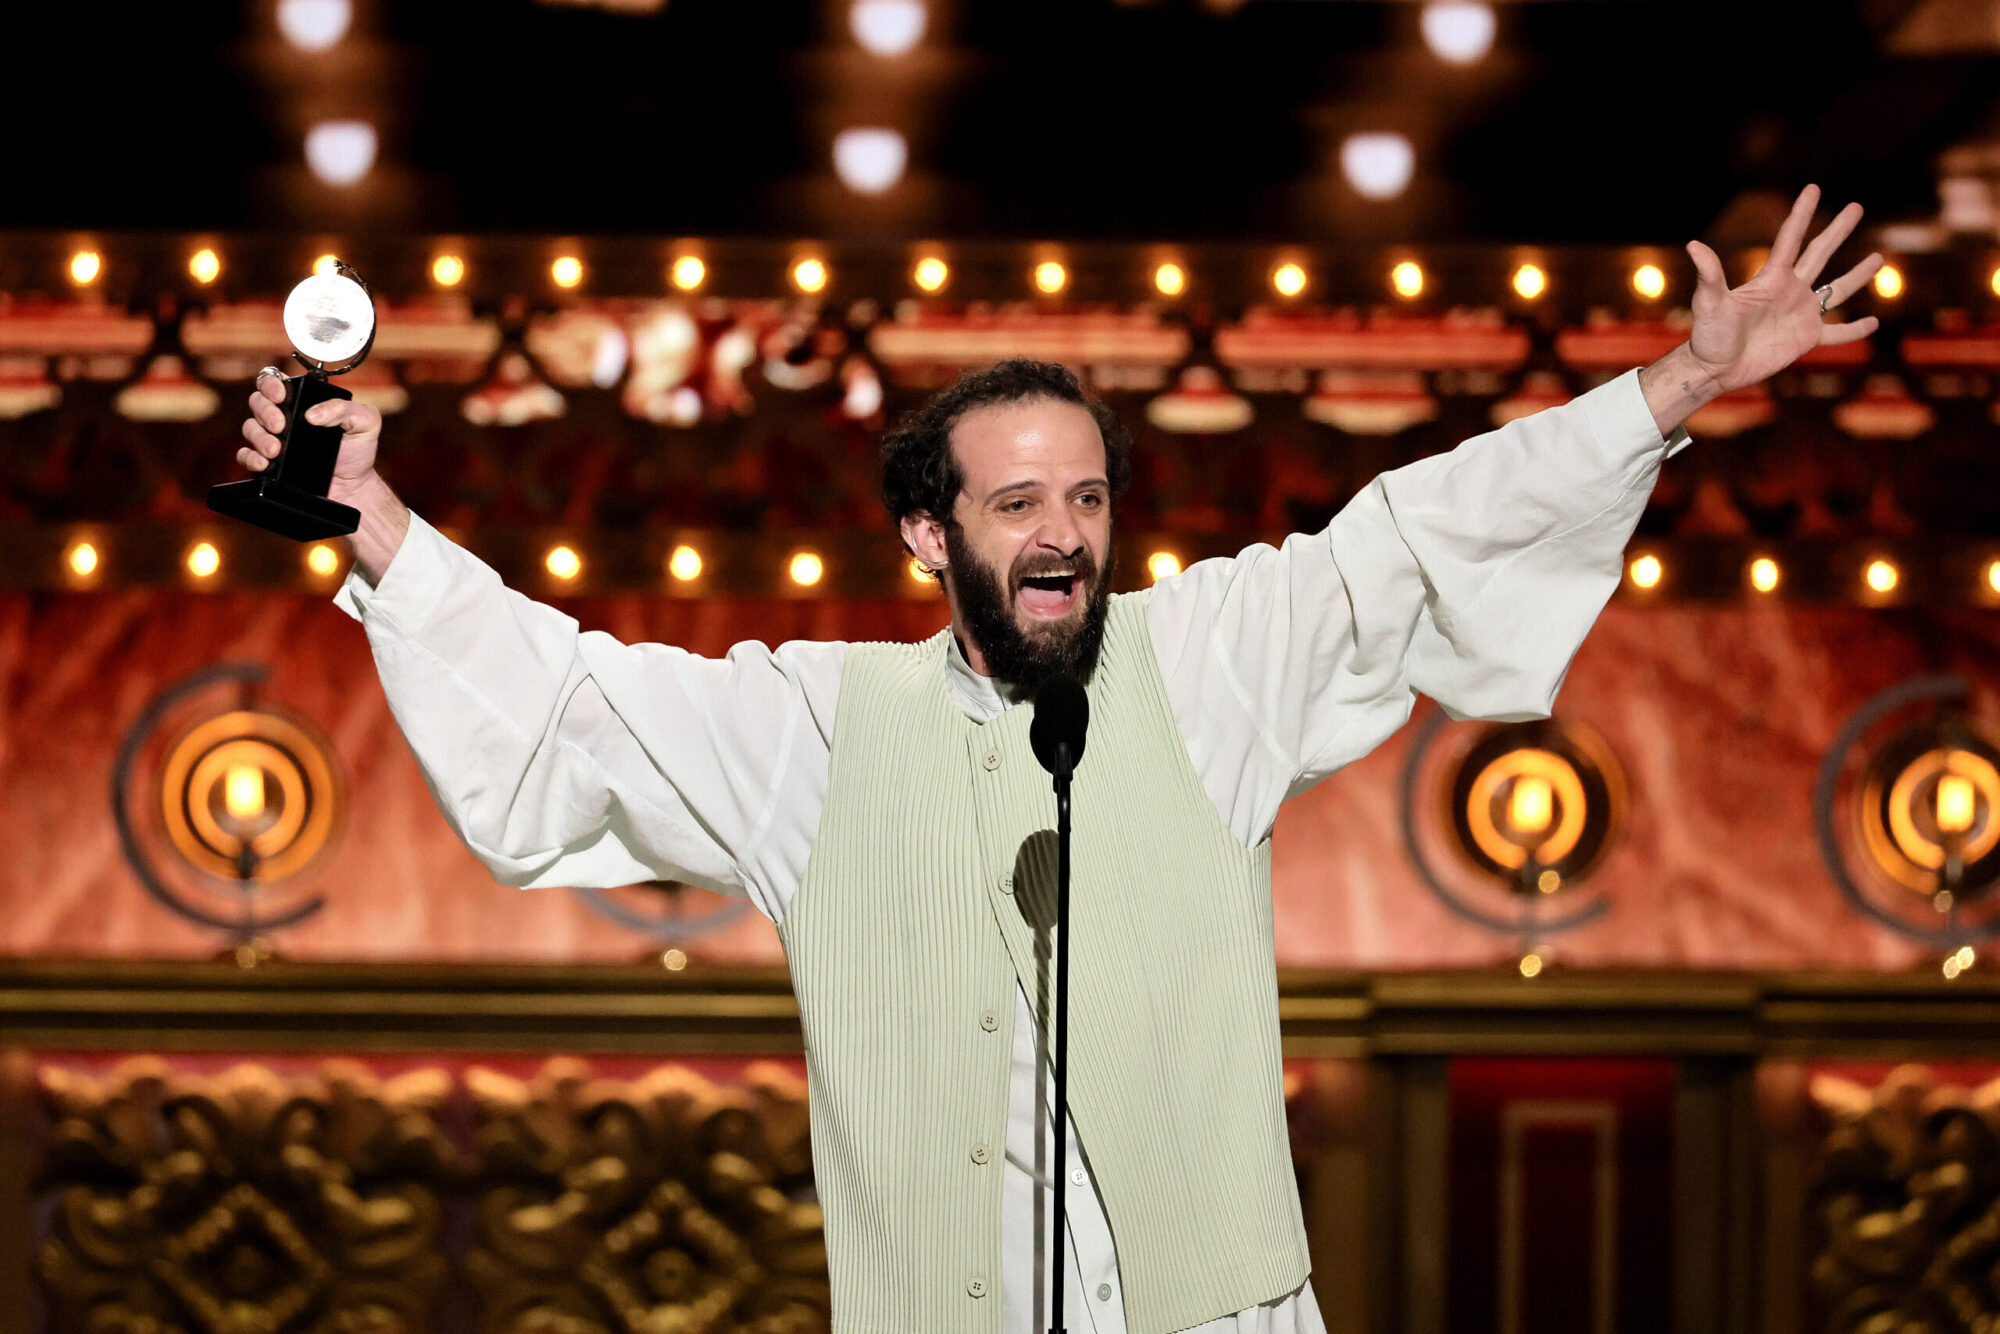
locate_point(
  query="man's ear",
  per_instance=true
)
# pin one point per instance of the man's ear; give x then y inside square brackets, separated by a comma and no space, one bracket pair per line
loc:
[924,536]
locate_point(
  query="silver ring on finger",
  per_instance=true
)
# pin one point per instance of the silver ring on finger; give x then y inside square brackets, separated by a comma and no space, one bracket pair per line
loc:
[271,371]
[1825,295]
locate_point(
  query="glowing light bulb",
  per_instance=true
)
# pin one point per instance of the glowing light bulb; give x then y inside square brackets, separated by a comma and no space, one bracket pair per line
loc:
[322,559]
[1882,576]
[1956,802]
[567,271]
[1530,282]
[82,560]
[1531,965]
[1648,281]
[1050,277]
[1994,282]
[205,266]
[931,273]
[448,270]
[684,564]
[869,159]
[314,25]
[340,152]
[1163,565]
[919,572]
[673,960]
[326,265]
[1764,574]
[1407,278]
[1461,33]
[807,569]
[688,273]
[243,791]
[84,266]
[887,27]
[203,560]
[809,275]
[563,562]
[1288,279]
[1993,576]
[1531,805]
[1888,282]
[1646,571]
[1377,165]
[1170,280]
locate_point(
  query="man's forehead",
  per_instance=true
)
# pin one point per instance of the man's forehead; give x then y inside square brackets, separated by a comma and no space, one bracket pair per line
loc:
[1035,432]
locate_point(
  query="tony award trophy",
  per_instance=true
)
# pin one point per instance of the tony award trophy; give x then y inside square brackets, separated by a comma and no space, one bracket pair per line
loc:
[330,319]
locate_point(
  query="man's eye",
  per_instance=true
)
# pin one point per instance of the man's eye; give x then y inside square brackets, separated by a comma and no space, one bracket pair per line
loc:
[1015,506]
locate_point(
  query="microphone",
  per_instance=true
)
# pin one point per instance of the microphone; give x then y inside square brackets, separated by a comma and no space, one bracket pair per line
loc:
[1062,715]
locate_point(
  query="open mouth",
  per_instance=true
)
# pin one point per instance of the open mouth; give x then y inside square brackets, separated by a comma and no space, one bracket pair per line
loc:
[1049,595]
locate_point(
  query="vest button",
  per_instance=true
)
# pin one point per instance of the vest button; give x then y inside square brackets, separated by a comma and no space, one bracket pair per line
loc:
[977,1287]
[1078,1177]
[1007,883]
[992,760]
[980,1153]
[989,1021]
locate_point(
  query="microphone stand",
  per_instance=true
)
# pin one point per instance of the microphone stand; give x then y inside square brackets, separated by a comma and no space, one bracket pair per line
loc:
[1063,770]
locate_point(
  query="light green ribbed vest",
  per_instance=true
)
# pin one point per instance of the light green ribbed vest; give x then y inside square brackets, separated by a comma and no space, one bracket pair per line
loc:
[929,891]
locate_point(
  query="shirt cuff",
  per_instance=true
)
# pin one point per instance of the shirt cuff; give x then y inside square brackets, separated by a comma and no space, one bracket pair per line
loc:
[410,589]
[1624,423]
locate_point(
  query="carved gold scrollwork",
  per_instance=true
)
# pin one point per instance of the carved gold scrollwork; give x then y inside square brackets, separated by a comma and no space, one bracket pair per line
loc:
[1907,1195]
[249,1202]
[664,1204]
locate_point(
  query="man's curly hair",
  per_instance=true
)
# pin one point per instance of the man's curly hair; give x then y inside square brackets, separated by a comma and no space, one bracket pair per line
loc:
[920,474]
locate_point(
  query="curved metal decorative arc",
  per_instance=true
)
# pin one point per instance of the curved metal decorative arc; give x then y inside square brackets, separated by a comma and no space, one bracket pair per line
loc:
[1529,919]
[248,673]
[1918,690]
[662,929]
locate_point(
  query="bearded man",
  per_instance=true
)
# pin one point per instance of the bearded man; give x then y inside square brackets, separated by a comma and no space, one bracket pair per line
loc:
[880,802]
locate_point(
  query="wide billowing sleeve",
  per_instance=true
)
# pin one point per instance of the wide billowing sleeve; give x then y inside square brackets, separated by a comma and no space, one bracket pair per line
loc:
[1471,577]
[569,758]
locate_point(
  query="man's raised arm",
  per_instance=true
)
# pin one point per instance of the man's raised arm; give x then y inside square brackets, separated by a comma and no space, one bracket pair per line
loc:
[562,757]
[1471,576]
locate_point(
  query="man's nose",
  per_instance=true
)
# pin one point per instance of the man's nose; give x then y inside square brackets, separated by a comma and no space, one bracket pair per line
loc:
[1062,534]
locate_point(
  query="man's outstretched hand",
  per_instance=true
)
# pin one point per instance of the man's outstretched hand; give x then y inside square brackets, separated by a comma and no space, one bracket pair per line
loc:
[1743,336]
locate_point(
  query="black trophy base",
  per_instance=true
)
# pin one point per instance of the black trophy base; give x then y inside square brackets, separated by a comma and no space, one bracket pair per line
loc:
[285,510]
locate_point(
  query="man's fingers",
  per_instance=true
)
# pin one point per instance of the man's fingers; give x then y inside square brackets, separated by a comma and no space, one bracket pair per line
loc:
[1856,278]
[349,416]
[271,386]
[1707,266]
[1854,332]
[1785,250]
[261,440]
[1822,247]
[252,460]
[267,413]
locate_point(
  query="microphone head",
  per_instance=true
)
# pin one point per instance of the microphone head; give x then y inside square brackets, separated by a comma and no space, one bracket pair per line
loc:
[1062,714]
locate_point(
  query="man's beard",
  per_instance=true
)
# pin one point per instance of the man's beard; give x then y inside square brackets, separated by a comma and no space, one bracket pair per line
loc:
[1024,659]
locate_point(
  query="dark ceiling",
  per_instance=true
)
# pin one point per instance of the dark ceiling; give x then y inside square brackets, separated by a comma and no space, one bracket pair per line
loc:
[1590,121]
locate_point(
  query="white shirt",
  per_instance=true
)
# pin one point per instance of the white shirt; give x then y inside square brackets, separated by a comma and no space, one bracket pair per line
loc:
[563,757]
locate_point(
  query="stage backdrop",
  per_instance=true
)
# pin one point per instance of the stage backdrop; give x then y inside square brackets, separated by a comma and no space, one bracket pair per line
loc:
[1719,715]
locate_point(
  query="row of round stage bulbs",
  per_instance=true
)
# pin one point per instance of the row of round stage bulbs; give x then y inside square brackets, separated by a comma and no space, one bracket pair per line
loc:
[684,564]
[687,273]
[1880,577]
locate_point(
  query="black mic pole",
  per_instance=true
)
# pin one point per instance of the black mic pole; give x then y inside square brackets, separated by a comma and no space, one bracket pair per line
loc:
[1063,771]
[1062,718]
